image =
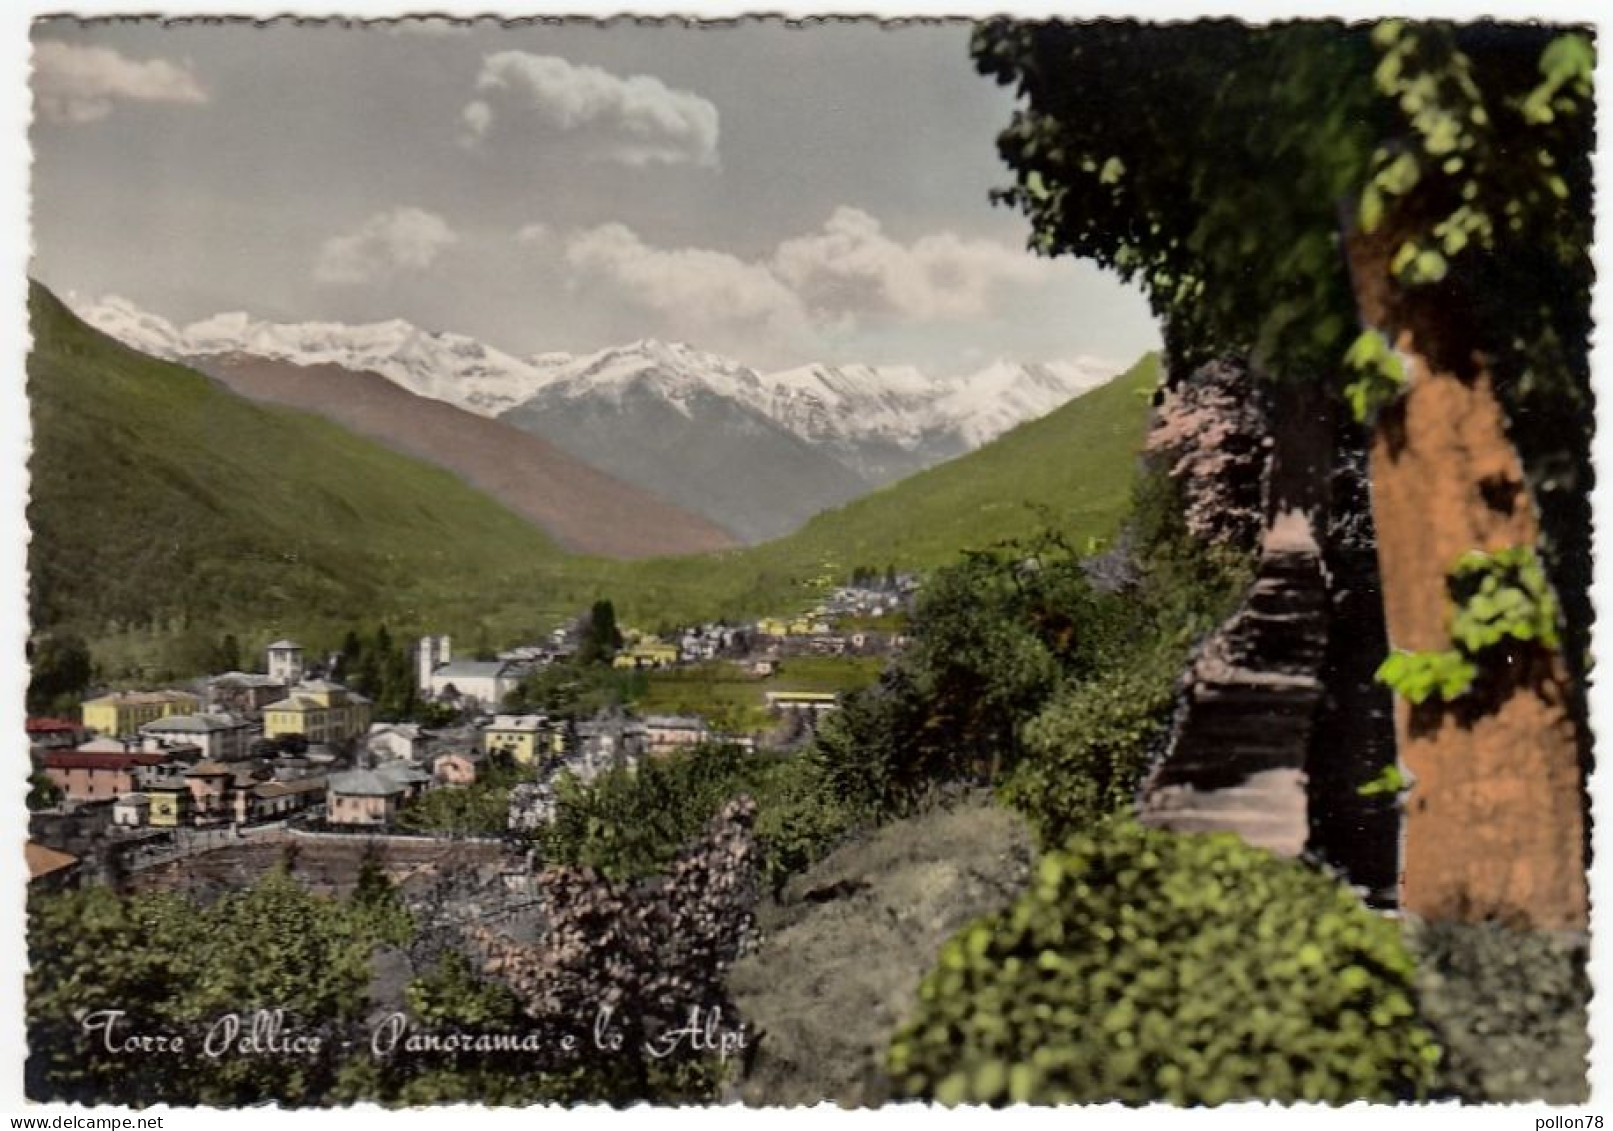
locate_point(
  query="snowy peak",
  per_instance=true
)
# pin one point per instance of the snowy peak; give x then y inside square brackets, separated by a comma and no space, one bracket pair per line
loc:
[897,407]
[446,367]
[118,318]
[673,371]
[985,404]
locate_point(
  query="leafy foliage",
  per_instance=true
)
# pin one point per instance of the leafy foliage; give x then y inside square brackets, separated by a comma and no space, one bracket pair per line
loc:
[993,638]
[575,690]
[631,823]
[42,792]
[1509,1007]
[1180,155]
[382,669]
[1378,376]
[60,669]
[1419,676]
[649,954]
[1145,966]
[478,809]
[601,639]
[1389,780]
[177,969]
[1502,596]
[1092,744]
[1502,600]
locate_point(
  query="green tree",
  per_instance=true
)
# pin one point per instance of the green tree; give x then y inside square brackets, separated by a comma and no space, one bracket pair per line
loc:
[229,654]
[601,638]
[42,792]
[60,671]
[1402,213]
[180,969]
[994,637]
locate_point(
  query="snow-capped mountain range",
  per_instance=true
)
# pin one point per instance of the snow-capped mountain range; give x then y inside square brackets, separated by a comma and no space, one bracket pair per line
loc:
[821,404]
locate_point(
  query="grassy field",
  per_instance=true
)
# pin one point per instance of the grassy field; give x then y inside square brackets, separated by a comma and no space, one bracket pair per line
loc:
[167,511]
[725,691]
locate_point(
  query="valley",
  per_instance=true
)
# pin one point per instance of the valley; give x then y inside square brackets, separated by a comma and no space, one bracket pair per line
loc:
[168,510]
[754,453]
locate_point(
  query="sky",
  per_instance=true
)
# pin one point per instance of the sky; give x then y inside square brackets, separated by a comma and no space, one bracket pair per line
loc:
[782,195]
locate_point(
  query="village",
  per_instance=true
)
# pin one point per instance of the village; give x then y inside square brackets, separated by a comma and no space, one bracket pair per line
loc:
[149,776]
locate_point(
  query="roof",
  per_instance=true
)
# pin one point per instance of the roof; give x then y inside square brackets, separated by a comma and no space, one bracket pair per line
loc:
[284,645]
[470,669]
[196,724]
[105,746]
[131,698]
[474,757]
[296,703]
[319,685]
[248,679]
[409,730]
[210,770]
[286,788]
[52,726]
[43,861]
[402,772]
[674,722]
[79,760]
[364,783]
[134,799]
[518,722]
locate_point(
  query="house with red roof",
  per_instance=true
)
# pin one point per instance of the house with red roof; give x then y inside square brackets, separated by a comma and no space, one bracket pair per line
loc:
[96,775]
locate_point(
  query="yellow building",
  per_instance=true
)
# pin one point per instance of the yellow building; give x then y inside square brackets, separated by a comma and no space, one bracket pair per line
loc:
[170,805]
[125,712]
[320,711]
[773,626]
[647,653]
[525,738]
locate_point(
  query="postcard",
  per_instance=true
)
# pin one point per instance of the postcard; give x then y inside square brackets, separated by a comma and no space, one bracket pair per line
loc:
[787,561]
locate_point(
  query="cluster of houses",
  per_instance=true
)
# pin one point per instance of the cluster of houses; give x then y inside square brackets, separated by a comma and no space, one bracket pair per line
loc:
[252,747]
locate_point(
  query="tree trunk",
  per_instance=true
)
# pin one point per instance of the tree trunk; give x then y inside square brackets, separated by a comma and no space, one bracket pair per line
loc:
[1494,822]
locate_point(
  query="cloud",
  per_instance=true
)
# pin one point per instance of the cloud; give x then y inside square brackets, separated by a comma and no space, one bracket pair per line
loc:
[387,244]
[530,234]
[75,84]
[694,287]
[852,267]
[847,273]
[635,121]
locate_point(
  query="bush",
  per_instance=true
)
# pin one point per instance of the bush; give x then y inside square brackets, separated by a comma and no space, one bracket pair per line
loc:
[631,822]
[1144,965]
[1510,1009]
[1088,750]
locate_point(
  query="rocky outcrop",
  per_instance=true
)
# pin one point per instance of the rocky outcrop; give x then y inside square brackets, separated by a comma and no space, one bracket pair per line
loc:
[847,942]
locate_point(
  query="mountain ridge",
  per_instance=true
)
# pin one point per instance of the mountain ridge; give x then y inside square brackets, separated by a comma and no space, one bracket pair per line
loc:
[167,509]
[840,405]
[583,509]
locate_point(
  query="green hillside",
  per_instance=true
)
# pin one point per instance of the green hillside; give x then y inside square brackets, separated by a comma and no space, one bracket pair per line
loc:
[167,511]
[1074,464]
[164,507]
[1072,469]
